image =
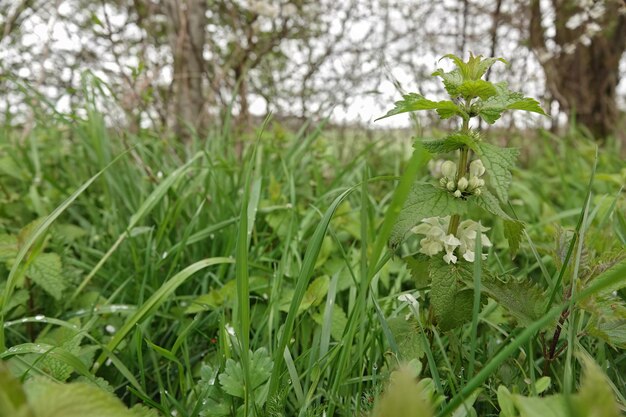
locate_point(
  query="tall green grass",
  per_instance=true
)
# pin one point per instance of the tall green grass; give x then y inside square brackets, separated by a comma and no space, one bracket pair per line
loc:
[167,246]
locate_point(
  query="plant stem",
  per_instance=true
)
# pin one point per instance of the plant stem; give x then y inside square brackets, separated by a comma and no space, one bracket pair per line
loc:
[461,171]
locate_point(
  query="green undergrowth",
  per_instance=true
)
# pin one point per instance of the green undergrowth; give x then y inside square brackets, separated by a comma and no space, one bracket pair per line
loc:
[186,281]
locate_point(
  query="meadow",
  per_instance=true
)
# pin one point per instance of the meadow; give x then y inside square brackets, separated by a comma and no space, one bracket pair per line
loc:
[142,276]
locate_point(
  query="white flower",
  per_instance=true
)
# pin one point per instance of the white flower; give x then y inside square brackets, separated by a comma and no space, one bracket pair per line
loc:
[448,169]
[437,239]
[467,233]
[430,247]
[450,243]
[458,194]
[462,184]
[476,168]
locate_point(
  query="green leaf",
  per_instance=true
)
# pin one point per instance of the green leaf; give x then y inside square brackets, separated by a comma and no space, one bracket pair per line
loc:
[418,266]
[232,380]
[45,271]
[12,397]
[450,143]
[476,88]
[451,300]
[338,321]
[550,406]
[424,200]
[416,102]
[608,319]
[475,67]
[492,108]
[405,396]
[407,335]
[50,399]
[595,397]
[513,229]
[498,163]
[451,80]
[8,248]
[522,299]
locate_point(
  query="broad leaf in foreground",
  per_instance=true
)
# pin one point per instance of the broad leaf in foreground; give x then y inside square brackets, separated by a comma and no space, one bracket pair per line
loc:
[451,300]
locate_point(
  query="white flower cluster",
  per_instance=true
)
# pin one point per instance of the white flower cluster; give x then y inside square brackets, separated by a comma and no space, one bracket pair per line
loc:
[463,186]
[437,238]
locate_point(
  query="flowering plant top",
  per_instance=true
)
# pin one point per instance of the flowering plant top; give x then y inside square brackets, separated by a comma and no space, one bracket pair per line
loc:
[479,179]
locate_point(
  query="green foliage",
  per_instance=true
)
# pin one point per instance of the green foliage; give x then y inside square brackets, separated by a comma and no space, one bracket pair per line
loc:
[406,396]
[450,143]
[498,162]
[492,108]
[153,323]
[451,300]
[513,229]
[521,298]
[40,397]
[424,200]
[232,379]
[408,338]
[415,102]
[595,398]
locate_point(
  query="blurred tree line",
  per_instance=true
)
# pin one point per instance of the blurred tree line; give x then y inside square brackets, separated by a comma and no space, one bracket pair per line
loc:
[185,65]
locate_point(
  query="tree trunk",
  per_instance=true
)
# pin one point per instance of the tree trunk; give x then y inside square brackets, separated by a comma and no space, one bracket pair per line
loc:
[583,73]
[188,21]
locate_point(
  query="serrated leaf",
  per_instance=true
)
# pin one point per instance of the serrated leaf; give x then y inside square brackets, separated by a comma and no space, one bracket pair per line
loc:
[498,163]
[513,231]
[450,143]
[476,88]
[45,271]
[418,266]
[451,300]
[232,379]
[424,200]
[521,298]
[475,67]
[451,80]
[491,109]
[416,102]
[608,319]
[408,337]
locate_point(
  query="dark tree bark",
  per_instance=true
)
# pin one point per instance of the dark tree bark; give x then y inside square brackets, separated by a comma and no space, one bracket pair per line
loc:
[187,40]
[583,76]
